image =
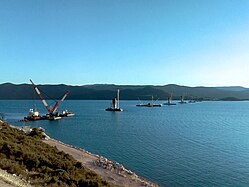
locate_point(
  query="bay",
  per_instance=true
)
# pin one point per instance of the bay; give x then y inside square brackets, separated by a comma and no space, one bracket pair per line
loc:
[200,144]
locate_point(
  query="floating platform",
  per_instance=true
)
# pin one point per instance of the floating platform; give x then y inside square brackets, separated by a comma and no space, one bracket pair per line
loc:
[115,104]
[35,116]
[169,104]
[115,109]
[149,105]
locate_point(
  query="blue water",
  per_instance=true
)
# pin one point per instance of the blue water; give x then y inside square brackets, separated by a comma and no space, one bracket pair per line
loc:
[201,144]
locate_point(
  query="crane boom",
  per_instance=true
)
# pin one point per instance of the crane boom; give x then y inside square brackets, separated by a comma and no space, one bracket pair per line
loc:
[56,106]
[51,111]
[40,95]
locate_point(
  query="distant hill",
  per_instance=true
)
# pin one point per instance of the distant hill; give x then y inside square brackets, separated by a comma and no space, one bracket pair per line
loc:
[127,92]
[233,88]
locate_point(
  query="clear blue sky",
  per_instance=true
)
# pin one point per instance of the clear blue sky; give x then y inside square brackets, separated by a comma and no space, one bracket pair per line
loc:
[156,42]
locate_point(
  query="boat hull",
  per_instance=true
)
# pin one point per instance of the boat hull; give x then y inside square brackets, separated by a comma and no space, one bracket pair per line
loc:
[68,114]
[52,118]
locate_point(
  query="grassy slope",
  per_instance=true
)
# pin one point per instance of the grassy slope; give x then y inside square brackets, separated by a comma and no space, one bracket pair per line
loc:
[43,165]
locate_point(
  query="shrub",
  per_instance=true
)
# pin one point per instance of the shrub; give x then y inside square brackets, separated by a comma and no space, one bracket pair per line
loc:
[40,163]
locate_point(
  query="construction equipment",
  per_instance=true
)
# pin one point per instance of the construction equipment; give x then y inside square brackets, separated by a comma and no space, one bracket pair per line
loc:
[53,111]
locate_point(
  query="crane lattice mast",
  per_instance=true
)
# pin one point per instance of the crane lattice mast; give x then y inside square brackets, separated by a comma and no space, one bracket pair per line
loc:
[51,110]
[40,96]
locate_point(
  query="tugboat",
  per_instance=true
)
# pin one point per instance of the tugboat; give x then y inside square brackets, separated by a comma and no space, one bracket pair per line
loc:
[65,113]
[115,104]
[33,115]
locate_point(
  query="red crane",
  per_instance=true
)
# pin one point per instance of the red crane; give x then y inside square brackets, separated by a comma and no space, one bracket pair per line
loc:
[52,111]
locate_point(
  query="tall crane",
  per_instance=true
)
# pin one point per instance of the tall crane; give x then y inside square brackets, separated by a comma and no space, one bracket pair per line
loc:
[52,111]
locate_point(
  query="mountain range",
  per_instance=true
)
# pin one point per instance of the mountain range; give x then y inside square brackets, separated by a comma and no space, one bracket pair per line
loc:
[127,92]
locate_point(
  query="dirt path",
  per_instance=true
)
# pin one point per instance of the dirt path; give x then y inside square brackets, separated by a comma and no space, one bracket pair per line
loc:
[112,172]
[8,180]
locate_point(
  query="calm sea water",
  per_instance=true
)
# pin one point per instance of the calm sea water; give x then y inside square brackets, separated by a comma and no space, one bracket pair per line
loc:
[201,144]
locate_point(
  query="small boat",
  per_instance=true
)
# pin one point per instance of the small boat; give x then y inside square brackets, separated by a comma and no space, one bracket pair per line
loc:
[65,113]
[182,101]
[151,104]
[115,104]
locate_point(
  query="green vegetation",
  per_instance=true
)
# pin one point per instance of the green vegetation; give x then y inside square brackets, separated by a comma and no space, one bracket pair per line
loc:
[41,164]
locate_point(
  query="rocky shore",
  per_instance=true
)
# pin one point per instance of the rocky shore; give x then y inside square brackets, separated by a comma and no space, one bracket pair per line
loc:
[110,171]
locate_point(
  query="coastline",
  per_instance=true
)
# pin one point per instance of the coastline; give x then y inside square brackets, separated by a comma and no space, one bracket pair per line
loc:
[110,171]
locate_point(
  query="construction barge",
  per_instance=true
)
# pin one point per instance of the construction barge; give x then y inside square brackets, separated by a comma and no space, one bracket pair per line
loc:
[35,115]
[115,104]
[53,111]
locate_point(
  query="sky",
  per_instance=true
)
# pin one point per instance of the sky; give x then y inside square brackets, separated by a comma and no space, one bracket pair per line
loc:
[135,42]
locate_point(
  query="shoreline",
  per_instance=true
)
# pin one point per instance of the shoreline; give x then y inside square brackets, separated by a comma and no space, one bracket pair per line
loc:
[110,171]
